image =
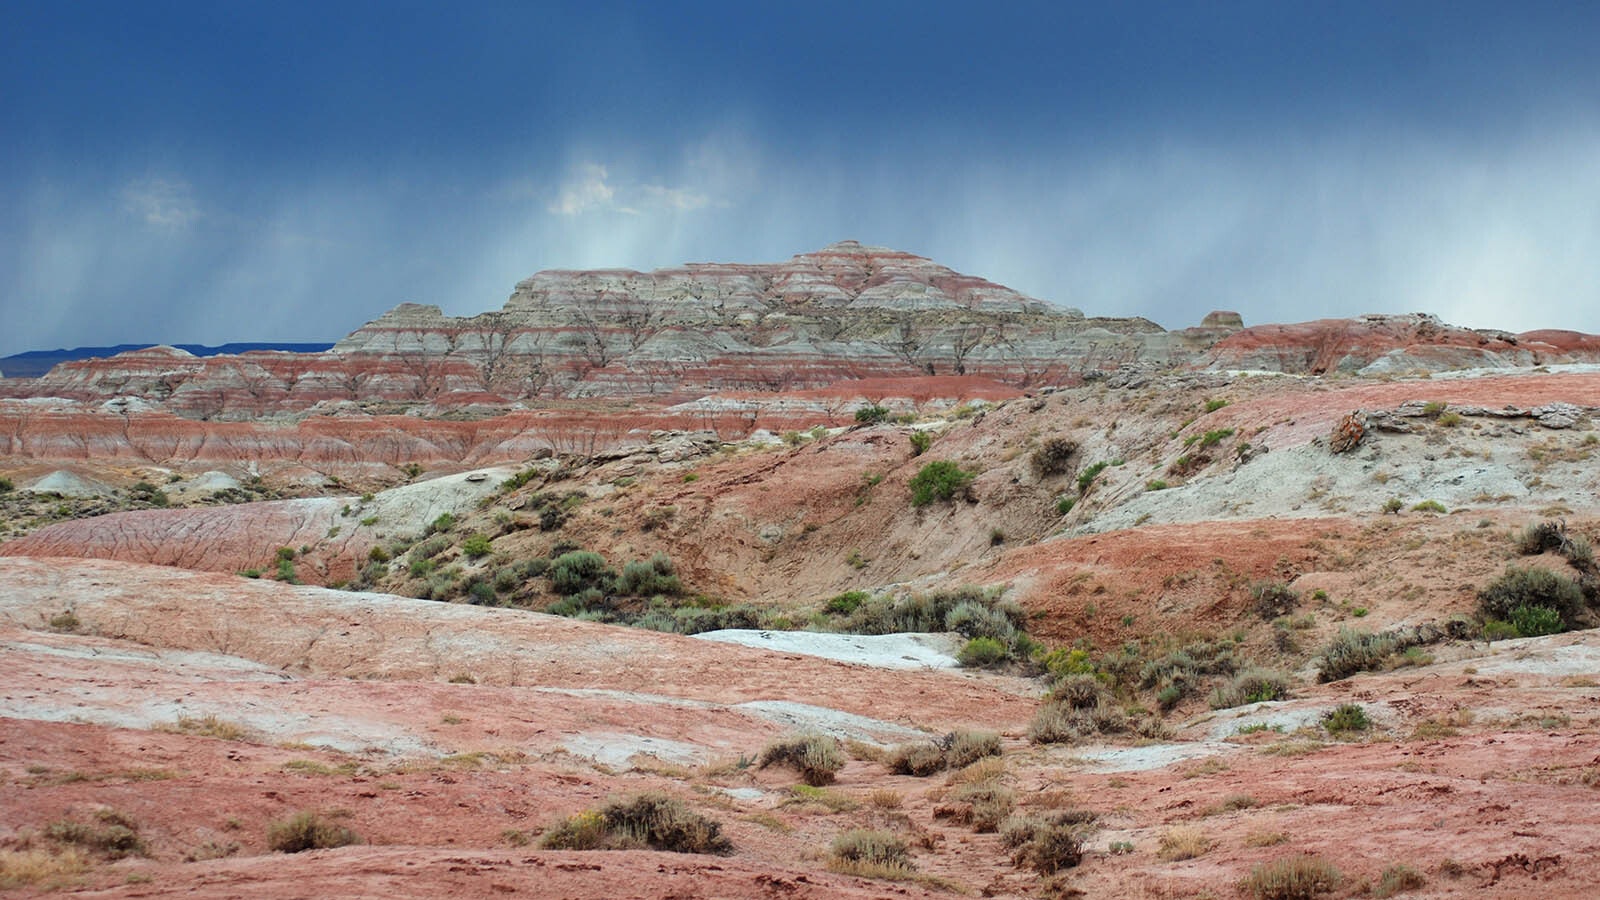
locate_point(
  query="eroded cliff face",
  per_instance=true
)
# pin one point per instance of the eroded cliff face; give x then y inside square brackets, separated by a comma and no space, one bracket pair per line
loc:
[723,347]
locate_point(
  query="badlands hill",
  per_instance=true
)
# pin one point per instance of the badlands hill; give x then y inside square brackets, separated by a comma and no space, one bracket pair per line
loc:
[1054,605]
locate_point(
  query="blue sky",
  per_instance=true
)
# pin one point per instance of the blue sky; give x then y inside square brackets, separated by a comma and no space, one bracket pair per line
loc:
[205,172]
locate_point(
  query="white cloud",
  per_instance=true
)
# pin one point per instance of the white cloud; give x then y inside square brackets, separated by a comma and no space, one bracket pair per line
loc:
[162,202]
[593,189]
[587,191]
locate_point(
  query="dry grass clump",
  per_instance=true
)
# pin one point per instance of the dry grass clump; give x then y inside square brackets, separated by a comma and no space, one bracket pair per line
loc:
[1300,877]
[817,757]
[955,750]
[209,726]
[870,854]
[655,821]
[1182,842]
[307,831]
[884,798]
[38,867]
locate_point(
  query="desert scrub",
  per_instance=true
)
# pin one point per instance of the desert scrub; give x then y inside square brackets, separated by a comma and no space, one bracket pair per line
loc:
[1047,844]
[1346,719]
[920,442]
[1295,878]
[1533,588]
[872,415]
[1053,457]
[1079,708]
[651,577]
[939,480]
[307,831]
[576,571]
[983,653]
[655,821]
[1272,599]
[1176,675]
[817,757]
[1253,685]
[982,805]
[112,835]
[954,750]
[476,547]
[1354,651]
[870,854]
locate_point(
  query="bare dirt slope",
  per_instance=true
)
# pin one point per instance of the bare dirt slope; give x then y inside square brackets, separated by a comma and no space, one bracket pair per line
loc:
[195,708]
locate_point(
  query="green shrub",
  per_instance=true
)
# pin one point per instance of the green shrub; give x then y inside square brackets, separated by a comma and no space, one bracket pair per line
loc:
[285,554]
[982,652]
[938,480]
[1053,457]
[476,547]
[1212,438]
[1251,686]
[1088,475]
[445,522]
[845,603]
[872,415]
[377,554]
[1156,485]
[580,570]
[1532,588]
[1393,505]
[1533,621]
[1496,630]
[1214,405]
[1064,504]
[6,486]
[1429,506]
[816,757]
[306,831]
[1346,718]
[421,567]
[647,578]
[1300,877]
[920,442]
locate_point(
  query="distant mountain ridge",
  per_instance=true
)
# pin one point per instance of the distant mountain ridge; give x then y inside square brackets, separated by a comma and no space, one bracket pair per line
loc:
[33,363]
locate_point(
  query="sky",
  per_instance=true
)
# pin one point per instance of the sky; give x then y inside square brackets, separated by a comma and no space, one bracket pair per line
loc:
[219,171]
